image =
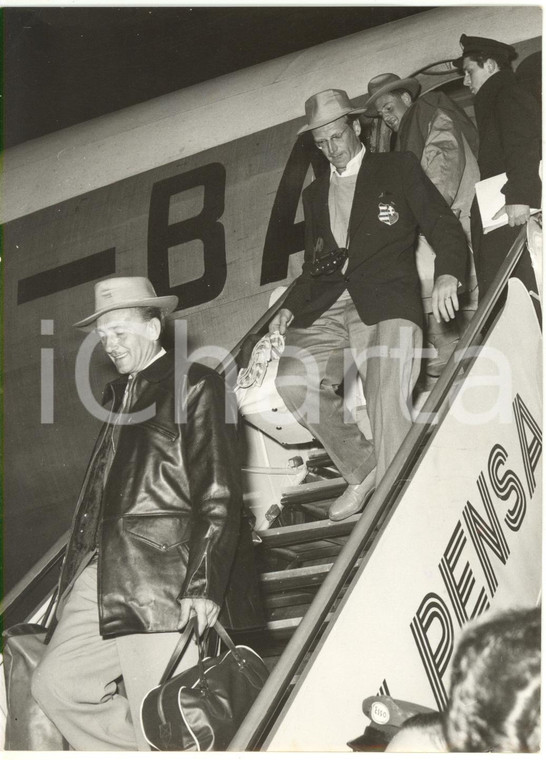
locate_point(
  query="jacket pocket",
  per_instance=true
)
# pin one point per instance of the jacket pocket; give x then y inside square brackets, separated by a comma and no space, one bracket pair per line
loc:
[163,532]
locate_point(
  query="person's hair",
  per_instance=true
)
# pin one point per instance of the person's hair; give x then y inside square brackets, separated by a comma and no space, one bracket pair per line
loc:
[423,720]
[400,91]
[421,730]
[350,118]
[147,313]
[480,58]
[494,701]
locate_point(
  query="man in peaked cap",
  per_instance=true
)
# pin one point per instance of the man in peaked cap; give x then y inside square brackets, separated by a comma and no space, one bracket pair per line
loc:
[509,127]
[158,533]
[358,296]
[399,726]
[445,141]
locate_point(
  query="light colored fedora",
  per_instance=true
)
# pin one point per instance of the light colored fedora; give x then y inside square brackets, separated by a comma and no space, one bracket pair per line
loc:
[126,293]
[327,106]
[384,83]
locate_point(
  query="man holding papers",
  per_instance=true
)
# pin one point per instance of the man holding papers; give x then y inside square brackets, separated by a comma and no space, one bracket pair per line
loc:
[508,119]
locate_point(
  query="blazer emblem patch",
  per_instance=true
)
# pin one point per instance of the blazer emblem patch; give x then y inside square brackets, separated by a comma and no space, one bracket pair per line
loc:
[387,210]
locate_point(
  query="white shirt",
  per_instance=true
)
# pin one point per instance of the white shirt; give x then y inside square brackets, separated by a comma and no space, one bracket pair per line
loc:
[340,226]
[157,356]
[154,358]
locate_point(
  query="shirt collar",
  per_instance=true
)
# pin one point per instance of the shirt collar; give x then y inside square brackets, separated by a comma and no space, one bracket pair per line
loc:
[154,358]
[353,167]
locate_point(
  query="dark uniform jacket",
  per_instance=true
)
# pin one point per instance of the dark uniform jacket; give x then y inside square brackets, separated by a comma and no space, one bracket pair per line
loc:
[171,522]
[508,120]
[393,200]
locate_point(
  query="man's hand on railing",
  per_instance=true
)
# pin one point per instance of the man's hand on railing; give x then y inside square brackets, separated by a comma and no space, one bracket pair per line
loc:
[444,298]
[281,321]
[517,213]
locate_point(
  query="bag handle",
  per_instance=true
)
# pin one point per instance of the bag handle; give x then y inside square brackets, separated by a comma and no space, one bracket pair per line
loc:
[182,643]
[250,674]
[179,649]
[225,637]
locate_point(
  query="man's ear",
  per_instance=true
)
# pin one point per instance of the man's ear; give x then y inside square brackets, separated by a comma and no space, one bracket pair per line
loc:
[357,128]
[406,99]
[491,66]
[153,327]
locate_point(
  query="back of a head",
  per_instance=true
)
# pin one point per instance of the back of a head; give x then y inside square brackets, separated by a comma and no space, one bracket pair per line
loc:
[494,702]
[422,732]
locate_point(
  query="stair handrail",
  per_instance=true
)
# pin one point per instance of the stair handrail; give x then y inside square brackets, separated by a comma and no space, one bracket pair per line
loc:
[53,555]
[257,722]
[36,573]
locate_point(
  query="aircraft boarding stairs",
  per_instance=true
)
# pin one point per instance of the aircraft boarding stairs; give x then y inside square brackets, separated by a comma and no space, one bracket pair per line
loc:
[306,561]
[296,554]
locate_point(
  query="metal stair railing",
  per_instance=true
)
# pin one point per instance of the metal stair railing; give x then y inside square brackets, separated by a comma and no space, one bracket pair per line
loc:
[254,728]
[28,595]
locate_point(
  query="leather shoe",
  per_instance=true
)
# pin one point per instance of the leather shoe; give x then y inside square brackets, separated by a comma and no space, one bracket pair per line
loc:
[353,499]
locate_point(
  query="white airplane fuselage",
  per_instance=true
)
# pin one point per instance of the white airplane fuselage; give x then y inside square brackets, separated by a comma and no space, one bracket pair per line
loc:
[198,190]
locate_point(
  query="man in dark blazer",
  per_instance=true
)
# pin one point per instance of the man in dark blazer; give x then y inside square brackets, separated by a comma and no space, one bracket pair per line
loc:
[508,119]
[158,535]
[367,308]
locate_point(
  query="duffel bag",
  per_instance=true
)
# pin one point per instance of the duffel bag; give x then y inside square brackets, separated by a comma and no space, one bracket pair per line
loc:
[202,708]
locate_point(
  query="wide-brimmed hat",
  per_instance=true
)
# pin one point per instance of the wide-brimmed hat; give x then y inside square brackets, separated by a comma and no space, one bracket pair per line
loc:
[384,83]
[126,293]
[486,46]
[325,107]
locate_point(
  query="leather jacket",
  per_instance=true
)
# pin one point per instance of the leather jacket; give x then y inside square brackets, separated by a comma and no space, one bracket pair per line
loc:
[171,522]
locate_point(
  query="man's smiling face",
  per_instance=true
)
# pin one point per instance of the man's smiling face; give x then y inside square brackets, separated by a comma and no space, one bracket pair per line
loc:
[129,341]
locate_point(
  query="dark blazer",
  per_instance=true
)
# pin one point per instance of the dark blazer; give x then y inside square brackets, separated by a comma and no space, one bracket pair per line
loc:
[171,520]
[381,276]
[508,119]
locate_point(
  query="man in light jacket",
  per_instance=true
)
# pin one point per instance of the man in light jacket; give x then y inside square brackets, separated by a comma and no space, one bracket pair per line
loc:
[445,141]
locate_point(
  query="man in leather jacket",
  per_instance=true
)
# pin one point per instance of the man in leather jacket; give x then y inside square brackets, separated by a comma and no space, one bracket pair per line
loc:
[158,534]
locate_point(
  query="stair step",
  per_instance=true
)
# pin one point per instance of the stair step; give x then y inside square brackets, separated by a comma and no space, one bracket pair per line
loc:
[287,587]
[283,580]
[318,459]
[311,531]
[271,641]
[277,604]
[288,625]
[320,489]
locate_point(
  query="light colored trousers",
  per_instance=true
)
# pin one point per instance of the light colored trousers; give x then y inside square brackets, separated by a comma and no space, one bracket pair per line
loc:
[76,682]
[338,344]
